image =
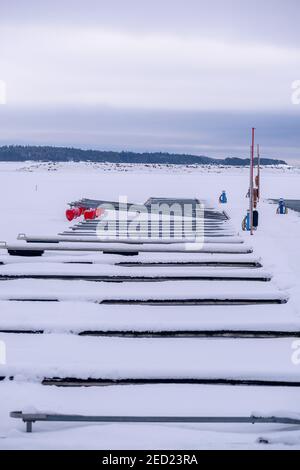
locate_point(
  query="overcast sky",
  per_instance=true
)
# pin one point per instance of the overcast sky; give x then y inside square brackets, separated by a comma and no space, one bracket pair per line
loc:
[183,76]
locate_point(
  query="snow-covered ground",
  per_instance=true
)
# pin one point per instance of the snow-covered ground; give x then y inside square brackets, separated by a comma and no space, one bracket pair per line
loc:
[33,199]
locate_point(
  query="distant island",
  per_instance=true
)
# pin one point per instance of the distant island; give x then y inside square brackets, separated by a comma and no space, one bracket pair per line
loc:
[17,153]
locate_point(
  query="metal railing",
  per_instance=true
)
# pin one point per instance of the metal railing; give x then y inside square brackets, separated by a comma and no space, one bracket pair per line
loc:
[30,418]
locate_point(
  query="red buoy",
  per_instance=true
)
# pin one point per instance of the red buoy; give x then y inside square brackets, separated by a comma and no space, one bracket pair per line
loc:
[73,213]
[70,214]
[82,210]
[90,214]
[99,211]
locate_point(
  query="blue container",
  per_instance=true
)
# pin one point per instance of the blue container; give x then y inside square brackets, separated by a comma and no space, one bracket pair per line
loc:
[246,222]
[223,198]
[248,225]
[282,209]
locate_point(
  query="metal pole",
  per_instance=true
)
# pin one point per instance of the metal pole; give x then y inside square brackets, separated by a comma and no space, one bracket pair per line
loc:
[258,170]
[251,181]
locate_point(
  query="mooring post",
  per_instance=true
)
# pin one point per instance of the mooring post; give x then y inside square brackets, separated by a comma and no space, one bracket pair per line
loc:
[251,181]
[29,426]
[258,171]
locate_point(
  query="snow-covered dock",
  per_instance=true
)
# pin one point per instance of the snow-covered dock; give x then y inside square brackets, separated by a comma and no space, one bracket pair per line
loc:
[209,332]
[61,358]
[107,273]
[68,317]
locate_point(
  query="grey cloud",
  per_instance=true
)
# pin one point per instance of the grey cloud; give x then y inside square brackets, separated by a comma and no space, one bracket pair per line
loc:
[195,55]
[210,133]
[271,21]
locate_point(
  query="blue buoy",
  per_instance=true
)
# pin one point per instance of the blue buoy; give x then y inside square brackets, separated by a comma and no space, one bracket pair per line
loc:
[282,209]
[246,222]
[223,198]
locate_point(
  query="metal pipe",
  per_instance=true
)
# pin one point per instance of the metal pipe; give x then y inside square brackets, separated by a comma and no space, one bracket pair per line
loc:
[157,241]
[251,181]
[258,171]
[30,418]
[115,248]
